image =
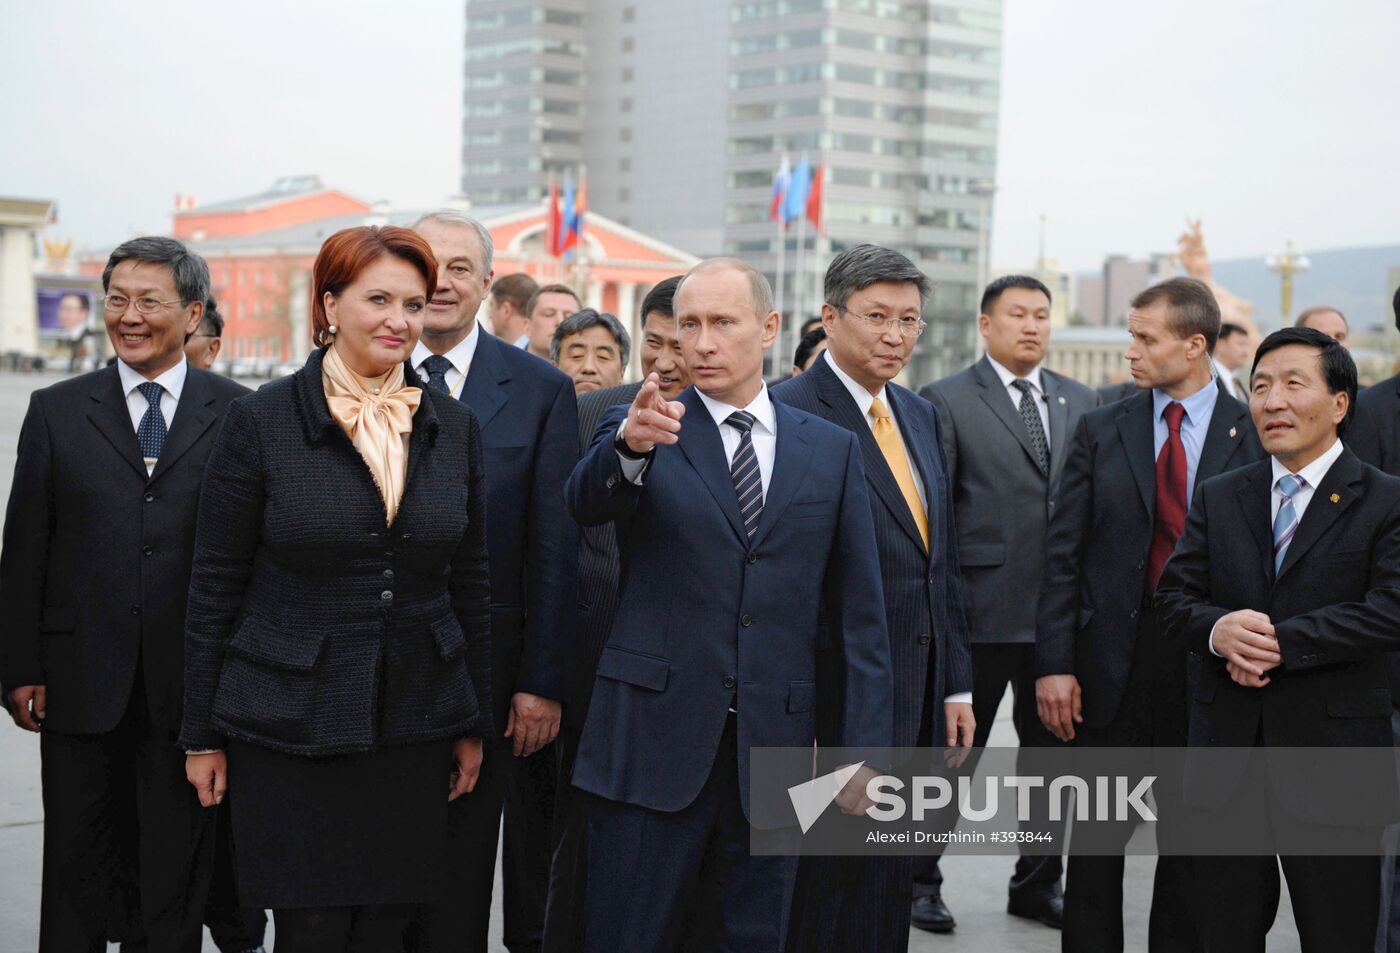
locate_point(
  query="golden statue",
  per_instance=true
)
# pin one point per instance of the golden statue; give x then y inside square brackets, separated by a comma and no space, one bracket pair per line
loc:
[1191,256]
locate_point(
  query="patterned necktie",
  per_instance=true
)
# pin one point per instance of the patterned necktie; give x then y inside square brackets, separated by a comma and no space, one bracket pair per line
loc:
[748,482]
[887,436]
[1030,416]
[1171,493]
[1286,522]
[151,433]
[437,367]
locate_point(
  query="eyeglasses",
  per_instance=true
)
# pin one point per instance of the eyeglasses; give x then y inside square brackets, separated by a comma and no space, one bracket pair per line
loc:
[117,304]
[909,327]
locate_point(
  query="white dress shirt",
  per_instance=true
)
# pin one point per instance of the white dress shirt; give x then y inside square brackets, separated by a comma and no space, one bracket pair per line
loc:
[1231,383]
[865,400]
[172,382]
[1042,404]
[523,342]
[765,437]
[460,356]
[1312,475]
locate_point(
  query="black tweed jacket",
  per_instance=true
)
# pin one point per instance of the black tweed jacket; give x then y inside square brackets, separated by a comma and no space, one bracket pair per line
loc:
[314,627]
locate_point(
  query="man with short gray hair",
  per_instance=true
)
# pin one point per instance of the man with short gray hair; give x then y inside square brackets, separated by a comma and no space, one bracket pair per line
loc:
[95,567]
[592,347]
[873,318]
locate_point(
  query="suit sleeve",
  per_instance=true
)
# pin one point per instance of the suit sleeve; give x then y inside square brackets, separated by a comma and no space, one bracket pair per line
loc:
[1351,631]
[471,584]
[948,445]
[856,607]
[598,492]
[552,555]
[1184,611]
[24,559]
[958,677]
[231,502]
[1058,610]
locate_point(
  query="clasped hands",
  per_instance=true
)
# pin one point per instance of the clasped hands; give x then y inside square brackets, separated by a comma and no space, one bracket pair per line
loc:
[1246,640]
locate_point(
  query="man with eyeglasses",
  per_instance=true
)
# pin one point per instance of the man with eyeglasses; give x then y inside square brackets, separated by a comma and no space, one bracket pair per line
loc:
[874,299]
[94,571]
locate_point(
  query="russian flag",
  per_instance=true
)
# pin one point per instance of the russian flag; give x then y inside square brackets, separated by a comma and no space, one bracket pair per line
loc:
[798,190]
[777,209]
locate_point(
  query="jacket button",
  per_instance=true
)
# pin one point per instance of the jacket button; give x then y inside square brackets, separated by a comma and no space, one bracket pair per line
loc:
[146,550]
[1133,614]
[746,620]
[1142,564]
[729,681]
[752,558]
[150,497]
[386,596]
[406,536]
[135,610]
[924,638]
[388,575]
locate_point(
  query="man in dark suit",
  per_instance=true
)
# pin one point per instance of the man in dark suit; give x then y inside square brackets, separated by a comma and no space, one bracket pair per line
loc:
[1105,677]
[597,601]
[745,535]
[1007,422]
[529,436]
[1285,587]
[874,299]
[99,535]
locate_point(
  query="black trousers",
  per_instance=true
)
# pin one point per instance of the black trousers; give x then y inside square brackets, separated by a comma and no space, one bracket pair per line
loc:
[661,881]
[102,793]
[234,928]
[523,790]
[1152,713]
[564,917]
[993,668]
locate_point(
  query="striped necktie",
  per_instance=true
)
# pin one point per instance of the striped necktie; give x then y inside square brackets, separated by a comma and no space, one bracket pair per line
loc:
[1286,522]
[748,482]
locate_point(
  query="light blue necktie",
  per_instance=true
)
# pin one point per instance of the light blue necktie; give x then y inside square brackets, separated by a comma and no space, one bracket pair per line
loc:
[1286,522]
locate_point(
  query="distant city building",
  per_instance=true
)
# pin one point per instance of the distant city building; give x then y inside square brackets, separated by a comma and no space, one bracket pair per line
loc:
[900,100]
[260,250]
[21,221]
[1102,300]
[1092,356]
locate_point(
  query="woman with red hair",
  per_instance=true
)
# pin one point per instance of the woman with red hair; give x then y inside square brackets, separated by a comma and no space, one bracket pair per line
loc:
[337,666]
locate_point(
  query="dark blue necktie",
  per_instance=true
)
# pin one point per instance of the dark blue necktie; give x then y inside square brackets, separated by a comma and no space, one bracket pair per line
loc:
[437,367]
[151,433]
[748,481]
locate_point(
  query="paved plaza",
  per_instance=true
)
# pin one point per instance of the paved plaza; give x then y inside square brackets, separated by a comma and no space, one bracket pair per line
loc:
[975,887]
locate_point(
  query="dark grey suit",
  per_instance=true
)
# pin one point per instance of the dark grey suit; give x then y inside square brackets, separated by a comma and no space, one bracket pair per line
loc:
[1003,504]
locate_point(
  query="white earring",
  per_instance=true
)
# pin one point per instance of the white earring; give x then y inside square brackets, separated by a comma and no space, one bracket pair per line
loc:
[332,329]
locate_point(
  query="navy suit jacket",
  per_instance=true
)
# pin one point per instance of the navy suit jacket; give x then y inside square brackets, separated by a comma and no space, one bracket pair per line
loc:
[529,435]
[1100,538]
[706,612]
[924,607]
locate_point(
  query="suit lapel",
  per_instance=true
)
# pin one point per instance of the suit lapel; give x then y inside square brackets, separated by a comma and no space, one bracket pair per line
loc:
[790,459]
[1059,423]
[109,414]
[1224,433]
[994,395]
[194,414]
[1341,483]
[1254,503]
[483,391]
[1135,429]
[878,474]
[700,442]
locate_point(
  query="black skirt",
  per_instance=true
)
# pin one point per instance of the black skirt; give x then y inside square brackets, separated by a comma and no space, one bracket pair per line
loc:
[342,831]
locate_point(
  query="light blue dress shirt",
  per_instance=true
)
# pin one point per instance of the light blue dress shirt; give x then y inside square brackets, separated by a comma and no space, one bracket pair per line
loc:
[1199,406]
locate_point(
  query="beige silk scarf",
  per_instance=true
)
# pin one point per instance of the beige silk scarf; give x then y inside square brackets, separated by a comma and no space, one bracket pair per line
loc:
[376,414]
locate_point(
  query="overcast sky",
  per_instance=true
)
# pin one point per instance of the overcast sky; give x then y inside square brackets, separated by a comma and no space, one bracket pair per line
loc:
[1267,119]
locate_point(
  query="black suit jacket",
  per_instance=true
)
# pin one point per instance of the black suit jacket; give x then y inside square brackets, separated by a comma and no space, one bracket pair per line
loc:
[96,561]
[1334,603]
[1375,438]
[529,433]
[314,627]
[1100,539]
[924,608]
[1002,500]
[597,567]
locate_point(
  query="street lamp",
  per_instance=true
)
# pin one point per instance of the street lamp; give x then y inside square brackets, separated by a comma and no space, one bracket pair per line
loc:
[1286,264]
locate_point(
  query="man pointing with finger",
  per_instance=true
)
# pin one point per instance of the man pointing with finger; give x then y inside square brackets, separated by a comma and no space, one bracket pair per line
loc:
[746,540]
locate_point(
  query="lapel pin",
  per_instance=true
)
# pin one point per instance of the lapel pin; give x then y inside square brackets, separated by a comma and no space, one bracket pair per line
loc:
[1336,498]
[1062,400]
[1233,431]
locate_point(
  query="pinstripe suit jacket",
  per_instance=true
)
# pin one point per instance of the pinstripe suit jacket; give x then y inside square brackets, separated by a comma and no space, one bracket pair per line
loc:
[597,568]
[924,605]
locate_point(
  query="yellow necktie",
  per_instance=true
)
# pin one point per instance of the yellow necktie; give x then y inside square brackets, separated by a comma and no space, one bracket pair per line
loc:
[890,445]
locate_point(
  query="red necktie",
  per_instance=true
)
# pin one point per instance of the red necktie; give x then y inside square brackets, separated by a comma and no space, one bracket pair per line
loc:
[1171,494]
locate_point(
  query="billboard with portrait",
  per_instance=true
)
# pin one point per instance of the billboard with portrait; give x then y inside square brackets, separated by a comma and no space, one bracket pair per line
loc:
[66,312]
